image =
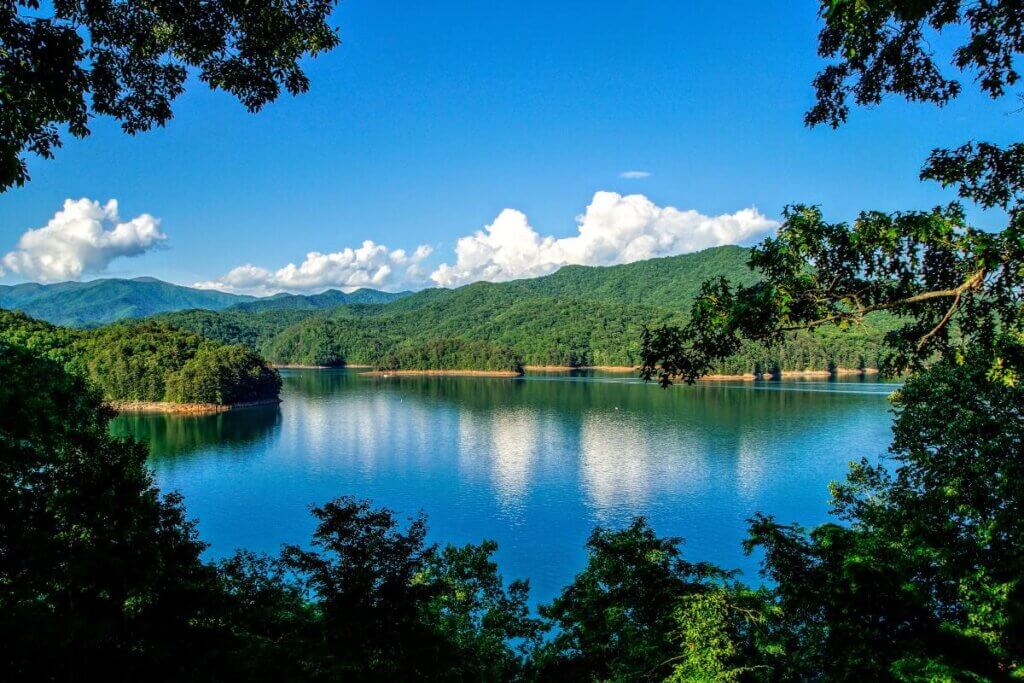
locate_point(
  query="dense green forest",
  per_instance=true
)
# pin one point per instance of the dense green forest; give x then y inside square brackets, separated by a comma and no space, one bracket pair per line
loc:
[452,354]
[577,316]
[332,298]
[919,578]
[148,361]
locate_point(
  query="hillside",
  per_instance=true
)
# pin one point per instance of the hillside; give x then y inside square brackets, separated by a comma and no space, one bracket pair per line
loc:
[148,362]
[97,302]
[578,316]
[671,282]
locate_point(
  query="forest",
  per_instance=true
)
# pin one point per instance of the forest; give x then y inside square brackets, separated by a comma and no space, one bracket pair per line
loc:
[148,362]
[452,354]
[578,316]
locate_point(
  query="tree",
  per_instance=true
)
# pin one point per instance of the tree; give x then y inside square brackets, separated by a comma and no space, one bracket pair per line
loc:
[62,63]
[100,575]
[924,582]
[617,619]
[389,606]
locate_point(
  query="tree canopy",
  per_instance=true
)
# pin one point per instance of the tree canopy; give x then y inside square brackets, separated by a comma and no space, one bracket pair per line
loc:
[149,361]
[925,578]
[64,62]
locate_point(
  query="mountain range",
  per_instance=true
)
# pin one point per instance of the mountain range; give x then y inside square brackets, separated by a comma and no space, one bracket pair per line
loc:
[98,302]
[577,316]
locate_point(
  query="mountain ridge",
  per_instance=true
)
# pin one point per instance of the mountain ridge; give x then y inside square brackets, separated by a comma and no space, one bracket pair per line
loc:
[107,300]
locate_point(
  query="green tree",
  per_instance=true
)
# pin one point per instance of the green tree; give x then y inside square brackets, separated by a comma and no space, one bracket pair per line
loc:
[923,582]
[391,607]
[63,62]
[616,621]
[100,575]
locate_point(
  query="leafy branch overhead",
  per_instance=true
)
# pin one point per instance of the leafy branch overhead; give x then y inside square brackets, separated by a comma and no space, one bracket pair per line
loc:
[947,282]
[63,63]
[953,285]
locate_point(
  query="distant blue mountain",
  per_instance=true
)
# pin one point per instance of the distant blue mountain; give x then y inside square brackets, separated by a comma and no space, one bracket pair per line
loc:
[332,298]
[97,302]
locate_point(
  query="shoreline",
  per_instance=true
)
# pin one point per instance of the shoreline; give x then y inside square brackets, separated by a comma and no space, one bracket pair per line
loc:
[714,377]
[185,408]
[570,368]
[298,366]
[768,376]
[443,373]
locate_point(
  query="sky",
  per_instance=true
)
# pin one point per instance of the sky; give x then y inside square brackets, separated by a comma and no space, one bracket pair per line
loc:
[448,142]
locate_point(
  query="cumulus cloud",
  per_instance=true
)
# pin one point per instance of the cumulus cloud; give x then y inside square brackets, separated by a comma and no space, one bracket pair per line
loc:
[370,265]
[83,237]
[635,175]
[614,229]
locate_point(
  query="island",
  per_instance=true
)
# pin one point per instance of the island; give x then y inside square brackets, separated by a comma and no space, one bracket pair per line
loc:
[150,366]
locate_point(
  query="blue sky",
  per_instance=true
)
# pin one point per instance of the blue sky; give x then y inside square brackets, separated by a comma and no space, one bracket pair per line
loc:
[432,118]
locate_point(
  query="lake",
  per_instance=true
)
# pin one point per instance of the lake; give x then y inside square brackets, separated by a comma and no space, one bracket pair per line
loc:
[533,463]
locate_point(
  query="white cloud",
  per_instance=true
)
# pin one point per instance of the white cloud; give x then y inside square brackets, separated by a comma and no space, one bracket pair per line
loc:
[370,265]
[614,229]
[83,237]
[635,175]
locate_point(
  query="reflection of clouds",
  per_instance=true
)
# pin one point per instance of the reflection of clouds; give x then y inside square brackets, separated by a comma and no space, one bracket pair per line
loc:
[515,437]
[751,464]
[625,463]
[613,461]
[364,430]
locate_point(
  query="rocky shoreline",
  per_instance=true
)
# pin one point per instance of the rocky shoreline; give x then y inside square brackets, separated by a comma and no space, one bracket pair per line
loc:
[185,408]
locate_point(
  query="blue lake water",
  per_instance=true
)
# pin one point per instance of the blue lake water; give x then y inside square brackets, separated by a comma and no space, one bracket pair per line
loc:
[533,463]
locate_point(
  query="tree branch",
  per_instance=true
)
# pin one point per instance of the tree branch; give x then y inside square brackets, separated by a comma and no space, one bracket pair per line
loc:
[972,283]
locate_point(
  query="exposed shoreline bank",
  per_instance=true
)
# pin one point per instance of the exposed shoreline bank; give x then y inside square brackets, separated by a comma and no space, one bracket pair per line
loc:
[716,377]
[297,366]
[823,374]
[443,373]
[185,408]
[570,368]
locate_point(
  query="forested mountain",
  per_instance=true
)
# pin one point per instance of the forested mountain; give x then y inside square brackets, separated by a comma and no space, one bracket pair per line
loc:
[148,361]
[577,316]
[332,298]
[98,302]
[574,317]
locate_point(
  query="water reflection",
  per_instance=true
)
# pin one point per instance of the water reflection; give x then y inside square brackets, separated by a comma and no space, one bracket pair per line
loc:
[533,463]
[180,435]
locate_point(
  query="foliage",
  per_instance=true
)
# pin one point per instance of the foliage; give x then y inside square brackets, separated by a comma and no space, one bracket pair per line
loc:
[928,268]
[390,606]
[724,636]
[148,361]
[64,62]
[886,48]
[923,582]
[616,620]
[956,497]
[100,576]
[222,375]
[452,354]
